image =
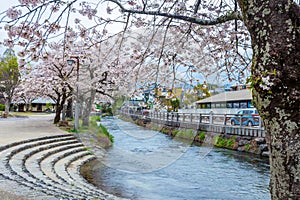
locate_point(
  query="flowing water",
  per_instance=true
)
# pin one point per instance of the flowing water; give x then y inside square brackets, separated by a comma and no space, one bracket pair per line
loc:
[144,164]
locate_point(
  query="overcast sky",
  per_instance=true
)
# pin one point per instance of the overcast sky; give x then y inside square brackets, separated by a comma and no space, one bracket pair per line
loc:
[5,4]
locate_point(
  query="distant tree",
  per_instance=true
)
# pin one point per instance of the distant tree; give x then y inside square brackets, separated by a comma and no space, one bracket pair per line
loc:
[202,91]
[9,77]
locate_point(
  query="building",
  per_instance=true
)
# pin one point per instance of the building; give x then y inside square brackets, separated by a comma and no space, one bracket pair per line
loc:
[231,99]
[223,103]
[37,105]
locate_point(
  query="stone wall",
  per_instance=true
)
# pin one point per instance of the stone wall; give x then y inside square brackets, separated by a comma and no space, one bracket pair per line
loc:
[256,145]
[244,143]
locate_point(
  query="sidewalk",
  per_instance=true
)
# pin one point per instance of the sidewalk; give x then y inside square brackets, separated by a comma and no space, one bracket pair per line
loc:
[17,129]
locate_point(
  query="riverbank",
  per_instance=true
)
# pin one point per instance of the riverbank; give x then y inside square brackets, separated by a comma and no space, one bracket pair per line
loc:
[248,144]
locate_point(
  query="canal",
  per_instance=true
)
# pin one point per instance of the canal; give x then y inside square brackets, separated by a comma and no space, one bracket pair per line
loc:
[145,164]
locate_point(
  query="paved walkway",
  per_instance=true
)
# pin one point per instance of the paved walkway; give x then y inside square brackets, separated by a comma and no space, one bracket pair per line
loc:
[16,129]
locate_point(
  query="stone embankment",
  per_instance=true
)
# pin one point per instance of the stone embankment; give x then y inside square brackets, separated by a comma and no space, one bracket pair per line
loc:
[255,145]
[249,144]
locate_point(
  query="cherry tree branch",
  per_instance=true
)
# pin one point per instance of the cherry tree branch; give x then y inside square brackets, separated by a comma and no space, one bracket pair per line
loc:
[219,20]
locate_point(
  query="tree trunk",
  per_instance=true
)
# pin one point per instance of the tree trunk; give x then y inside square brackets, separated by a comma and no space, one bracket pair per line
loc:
[88,108]
[27,105]
[6,110]
[59,107]
[274,28]
[58,110]
[69,112]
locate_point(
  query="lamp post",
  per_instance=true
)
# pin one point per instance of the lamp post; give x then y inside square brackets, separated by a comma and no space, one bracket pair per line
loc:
[71,62]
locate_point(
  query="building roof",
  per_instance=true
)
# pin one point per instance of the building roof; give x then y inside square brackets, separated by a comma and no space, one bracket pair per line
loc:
[238,95]
[43,101]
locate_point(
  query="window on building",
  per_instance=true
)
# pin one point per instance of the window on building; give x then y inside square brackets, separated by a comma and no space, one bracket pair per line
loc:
[243,104]
[229,105]
[236,105]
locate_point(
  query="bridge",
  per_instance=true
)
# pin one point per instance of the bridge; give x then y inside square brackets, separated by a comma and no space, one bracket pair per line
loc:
[216,123]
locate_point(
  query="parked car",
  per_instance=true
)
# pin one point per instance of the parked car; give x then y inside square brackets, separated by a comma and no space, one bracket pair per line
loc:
[248,117]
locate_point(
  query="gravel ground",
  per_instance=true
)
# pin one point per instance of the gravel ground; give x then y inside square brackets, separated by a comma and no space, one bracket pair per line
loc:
[9,196]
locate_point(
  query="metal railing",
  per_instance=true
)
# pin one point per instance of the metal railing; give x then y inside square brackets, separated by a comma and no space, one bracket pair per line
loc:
[203,118]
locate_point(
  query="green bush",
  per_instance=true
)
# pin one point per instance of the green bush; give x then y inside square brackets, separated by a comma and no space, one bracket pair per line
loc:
[2,107]
[94,119]
[163,130]
[230,143]
[247,147]
[202,136]
[175,132]
[220,142]
[105,132]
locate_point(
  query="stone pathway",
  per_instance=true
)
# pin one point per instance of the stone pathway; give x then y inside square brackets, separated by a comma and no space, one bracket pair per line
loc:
[40,161]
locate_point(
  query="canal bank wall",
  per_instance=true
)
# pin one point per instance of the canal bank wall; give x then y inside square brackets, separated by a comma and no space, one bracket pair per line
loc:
[242,140]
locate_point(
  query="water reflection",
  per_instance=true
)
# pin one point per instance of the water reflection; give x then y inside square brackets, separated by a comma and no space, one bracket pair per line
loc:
[145,164]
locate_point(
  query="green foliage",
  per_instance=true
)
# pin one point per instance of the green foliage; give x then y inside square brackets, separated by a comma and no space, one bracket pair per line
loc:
[2,107]
[175,132]
[105,132]
[220,142]
[175,104]
[94,119]
[155,128]
[202,136]
[48,105]
[118,103]
[163,130]
[107,111]
[187,134]
[202,91]
[230,143]
[72,131]
[224,143]
[9,73]
[89,150]
[247,147]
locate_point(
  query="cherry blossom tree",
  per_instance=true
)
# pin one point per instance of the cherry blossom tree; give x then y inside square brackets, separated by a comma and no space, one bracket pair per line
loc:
[53,78]
[222,29]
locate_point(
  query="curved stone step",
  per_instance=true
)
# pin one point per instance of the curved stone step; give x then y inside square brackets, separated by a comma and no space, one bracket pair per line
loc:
[54,137]
[73,169]
[49,167]
[54,167]
[7,151]
[14,163]
[60,168]
[17,163]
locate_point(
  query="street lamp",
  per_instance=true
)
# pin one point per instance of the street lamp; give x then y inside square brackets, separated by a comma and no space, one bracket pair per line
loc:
[71,62]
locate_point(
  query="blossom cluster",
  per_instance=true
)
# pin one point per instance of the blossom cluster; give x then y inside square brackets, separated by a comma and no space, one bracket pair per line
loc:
[13,13]
[266,83]
[87,11]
